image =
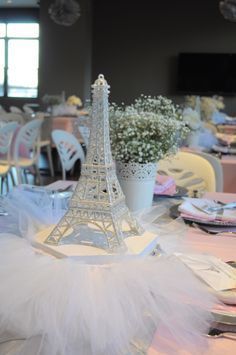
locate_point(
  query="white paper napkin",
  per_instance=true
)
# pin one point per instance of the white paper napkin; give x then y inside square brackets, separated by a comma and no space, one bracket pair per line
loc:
[214,272]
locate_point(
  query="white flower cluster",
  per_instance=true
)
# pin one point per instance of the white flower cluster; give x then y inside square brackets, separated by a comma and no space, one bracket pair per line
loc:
[146,131]
[192,119]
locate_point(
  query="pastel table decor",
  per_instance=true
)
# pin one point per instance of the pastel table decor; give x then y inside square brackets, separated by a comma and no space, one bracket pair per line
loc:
[141,134]
[164,185]
[112,295]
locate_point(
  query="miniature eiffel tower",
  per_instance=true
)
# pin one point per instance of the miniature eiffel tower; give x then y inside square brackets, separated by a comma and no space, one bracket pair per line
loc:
[98,203]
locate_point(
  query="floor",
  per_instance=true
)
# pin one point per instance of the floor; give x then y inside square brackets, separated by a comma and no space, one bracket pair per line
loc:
[45,176]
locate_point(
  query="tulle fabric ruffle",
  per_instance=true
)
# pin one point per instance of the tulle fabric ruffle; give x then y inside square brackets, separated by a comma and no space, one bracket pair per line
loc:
[98,309]
[66,307]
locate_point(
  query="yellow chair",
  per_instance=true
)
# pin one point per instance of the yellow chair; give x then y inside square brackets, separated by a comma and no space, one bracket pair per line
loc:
[217,166]
[191,171]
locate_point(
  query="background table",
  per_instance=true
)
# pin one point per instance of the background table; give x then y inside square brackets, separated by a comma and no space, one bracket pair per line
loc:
[66,123]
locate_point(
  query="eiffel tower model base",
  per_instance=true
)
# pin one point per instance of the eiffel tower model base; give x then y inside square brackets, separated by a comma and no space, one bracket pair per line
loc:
[72,247]
[102,226]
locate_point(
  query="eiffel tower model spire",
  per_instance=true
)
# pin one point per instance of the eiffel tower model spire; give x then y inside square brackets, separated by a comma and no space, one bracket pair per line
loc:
[97,214]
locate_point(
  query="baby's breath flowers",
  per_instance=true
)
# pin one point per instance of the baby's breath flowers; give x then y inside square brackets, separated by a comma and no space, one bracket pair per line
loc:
[145,131]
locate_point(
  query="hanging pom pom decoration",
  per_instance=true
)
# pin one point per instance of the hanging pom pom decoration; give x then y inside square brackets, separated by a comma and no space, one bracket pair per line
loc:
[228,9]
[64,12]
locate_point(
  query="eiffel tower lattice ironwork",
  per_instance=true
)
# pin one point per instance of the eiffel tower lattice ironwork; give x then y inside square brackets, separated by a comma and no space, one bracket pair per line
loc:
[98,203]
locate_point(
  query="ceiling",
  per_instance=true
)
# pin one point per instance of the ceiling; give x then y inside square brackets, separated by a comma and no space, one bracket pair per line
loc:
[19,3]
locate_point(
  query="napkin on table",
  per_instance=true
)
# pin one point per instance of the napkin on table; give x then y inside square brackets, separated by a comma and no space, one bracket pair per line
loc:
[226,138]
[220,276]
[165,185]
[189,209]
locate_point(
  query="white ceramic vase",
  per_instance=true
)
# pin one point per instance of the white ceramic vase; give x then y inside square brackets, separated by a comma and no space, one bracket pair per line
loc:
[137,182]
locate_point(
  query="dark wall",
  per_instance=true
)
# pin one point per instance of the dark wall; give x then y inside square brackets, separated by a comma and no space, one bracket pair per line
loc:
[136,45]
[65,53]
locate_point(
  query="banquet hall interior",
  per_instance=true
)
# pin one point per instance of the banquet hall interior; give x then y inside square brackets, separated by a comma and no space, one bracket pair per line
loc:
[140,49]
[120,115]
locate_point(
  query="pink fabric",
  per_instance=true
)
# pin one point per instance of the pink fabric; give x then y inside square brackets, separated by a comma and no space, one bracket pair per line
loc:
[229,172]
[226,138]
[165,185]
[228,129]
[164,340]
[190,208]
[219,196]
[65,123]
[23,151]
[223,248]
[225,308]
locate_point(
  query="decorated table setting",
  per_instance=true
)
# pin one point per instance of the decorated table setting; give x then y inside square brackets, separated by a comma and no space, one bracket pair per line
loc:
[212,131]
[226,143]
[208,125]
[64,114]
[217,245]
[82,274]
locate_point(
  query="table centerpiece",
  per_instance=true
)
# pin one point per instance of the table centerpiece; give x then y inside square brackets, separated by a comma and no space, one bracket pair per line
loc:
[141,134]
[94,306]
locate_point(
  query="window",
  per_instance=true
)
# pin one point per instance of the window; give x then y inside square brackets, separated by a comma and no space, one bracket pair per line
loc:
[19,59]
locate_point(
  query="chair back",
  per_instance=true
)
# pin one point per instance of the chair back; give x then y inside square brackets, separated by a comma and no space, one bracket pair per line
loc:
[2,110]
[217,166]
[11,117]
[85,134]
[28,136]
[28,110]
[15,109]
[6,134]
[69,149]
[189,170]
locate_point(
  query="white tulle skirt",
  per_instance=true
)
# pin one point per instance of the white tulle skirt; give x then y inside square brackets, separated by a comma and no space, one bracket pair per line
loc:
[66,307]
